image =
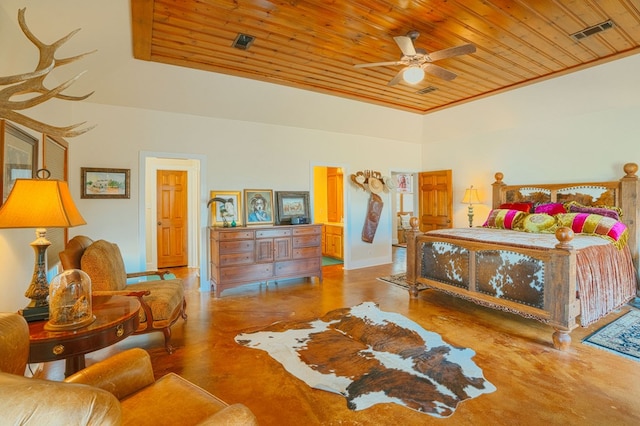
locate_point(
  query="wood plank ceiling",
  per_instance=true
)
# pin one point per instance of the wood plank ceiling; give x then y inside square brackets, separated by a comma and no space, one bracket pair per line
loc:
[315,44]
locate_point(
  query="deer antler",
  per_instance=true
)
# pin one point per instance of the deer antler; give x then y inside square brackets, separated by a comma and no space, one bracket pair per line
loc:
[33,83]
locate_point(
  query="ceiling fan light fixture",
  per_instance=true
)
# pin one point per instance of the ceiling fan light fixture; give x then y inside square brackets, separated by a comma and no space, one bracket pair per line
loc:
[413,75]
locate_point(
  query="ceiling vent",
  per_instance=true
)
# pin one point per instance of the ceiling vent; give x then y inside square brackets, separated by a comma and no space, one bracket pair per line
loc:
[243,41]
[593,30]
[426,90]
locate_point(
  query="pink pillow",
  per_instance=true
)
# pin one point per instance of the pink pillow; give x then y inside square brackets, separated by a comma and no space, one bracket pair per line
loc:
[504,218]
[550,208]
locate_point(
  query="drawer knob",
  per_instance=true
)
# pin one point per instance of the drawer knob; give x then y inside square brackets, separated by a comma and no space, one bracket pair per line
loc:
[58,349]
[119,330]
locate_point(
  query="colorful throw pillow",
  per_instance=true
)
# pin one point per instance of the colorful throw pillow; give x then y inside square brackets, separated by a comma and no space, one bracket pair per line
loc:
[550,208]
[525,207]
[539,222]
[504,219]
[595,224]
[612,212]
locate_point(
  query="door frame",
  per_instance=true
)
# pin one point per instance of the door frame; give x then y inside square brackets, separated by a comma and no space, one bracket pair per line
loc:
[195,166]
[394,204]
[346,244]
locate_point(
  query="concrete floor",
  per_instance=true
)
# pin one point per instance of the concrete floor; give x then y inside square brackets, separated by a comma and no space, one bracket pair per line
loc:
[536,384]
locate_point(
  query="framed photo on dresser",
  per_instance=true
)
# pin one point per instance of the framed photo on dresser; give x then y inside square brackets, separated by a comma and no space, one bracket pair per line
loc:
[259,206]
[226,208]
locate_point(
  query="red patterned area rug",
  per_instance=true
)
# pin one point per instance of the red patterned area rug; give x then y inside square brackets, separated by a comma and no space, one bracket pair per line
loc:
[370,357]
[621,336]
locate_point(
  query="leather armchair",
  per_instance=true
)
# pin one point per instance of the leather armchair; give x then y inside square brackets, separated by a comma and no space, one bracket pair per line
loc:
[118,390]
[162,301]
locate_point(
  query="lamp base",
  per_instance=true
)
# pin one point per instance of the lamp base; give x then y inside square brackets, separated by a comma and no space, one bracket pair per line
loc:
[35,313]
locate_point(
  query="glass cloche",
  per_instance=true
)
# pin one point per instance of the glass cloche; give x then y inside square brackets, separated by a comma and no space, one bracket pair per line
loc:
[70,301]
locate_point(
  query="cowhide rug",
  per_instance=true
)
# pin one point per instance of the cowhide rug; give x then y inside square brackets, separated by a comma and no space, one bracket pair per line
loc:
[371,357]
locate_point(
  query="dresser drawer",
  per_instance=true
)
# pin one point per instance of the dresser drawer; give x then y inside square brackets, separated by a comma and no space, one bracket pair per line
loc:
[241,234]
[273,233]
[307,230]
[299,268]
[239,246]
[307,241]
[231,259]
[307,252]
[247,274]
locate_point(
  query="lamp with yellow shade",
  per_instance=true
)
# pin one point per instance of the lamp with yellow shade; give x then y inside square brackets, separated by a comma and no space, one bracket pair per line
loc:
[470,197]
[39,203]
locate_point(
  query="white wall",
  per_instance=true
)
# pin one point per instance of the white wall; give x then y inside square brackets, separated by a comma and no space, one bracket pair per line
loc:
[577,128]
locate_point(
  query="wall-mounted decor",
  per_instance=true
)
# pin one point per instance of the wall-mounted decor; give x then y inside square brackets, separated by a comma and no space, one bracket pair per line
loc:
[374,183]
[32,84]
[19,155]
[404,182]
[292,207]
[104,183]
[259,210]
[226,208]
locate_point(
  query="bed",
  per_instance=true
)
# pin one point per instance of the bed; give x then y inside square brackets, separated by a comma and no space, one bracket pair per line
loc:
[566,268]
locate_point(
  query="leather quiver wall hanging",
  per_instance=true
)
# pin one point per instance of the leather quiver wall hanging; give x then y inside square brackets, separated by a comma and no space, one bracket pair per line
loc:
[374,209]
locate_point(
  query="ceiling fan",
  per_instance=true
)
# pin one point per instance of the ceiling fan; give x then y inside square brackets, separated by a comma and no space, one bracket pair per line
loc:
[417,61]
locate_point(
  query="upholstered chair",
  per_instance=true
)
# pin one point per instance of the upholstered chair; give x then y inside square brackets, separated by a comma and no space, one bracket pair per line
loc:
[118,390]
[162,300]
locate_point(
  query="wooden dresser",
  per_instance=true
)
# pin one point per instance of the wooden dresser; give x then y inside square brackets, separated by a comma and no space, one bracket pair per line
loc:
[261,254]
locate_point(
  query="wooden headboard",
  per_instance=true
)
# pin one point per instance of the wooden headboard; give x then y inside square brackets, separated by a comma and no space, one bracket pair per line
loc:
[621,193]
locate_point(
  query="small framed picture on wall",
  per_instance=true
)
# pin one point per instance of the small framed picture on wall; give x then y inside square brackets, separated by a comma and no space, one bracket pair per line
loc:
[104,183]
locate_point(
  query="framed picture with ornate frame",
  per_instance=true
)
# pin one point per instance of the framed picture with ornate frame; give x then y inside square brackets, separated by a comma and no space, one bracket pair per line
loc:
[19,155]
[104,183]
[291,204]
[259,206]
[226,208]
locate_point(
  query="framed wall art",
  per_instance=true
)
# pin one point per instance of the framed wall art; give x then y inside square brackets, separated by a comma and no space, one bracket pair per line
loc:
[291,205]
[19,155]
[104,183]
[226,208]
[259,206]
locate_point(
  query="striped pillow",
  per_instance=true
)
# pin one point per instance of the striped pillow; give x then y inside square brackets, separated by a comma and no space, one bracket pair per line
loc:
[595,224]
[504,219]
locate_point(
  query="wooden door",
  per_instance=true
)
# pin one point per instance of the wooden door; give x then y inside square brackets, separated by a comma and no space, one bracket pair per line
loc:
[335,209]
[436,200]
[172,218]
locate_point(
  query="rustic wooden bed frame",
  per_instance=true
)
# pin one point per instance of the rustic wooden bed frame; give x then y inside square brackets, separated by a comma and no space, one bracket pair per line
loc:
[561,306]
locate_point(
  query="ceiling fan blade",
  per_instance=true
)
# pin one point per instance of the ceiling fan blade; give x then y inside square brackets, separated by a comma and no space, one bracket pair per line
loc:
[439,72]
[452,51]
[395,80]
[378,64]
[406,45]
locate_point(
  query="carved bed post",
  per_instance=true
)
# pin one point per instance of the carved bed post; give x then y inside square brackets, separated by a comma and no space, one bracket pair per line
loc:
[412,255]
[497,190]
[630,188]
[561,287]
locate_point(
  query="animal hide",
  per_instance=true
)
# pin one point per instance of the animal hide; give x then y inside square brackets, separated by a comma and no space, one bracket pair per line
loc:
[371,357]
[374,209]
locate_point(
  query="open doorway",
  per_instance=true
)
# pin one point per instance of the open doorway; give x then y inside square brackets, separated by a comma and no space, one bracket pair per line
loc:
[403,206]
[195,167]
[328,209]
